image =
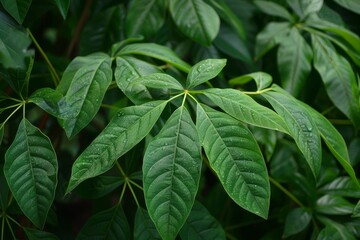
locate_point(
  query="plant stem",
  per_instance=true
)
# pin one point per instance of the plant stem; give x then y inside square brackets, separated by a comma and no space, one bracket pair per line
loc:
[121,170]
[11,230]
[135,184]
[284,190]
[133,193]
[122,193]
[55,76]
[2,227]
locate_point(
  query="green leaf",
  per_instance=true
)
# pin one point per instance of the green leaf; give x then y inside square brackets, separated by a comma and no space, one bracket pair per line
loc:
[300,125]
[334,141]
[273,9]
[236,159]
[262,80]
[63,6]
[86,92]
[334,230]
[116,47]
[156,51]
[342,186]
[129,69]
[303,8]
[158,80]
[356,211]
[144,228]
[31,172]
[110,224]
[153,13]
[294,62]
[125,130]
[53,102]
[334,205]
[338,77]
[99,186]
[172,168]
[17,8]
[196,19]
[34,234]
[352,5]
[14,42]
[245,109]
[204,71]
[269,37]
[201,225]
[301,217]
[102,30]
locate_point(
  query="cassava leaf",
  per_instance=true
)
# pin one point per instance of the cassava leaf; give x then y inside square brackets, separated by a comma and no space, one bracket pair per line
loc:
[245,109]
[34,234]
[31,172]
[17,8]
[144,228]
[124,131]
[98,186]
[273,9]
[236,158]
[338,77]
[301,216]
[334,205]
[86,92]
[356,211]
[204,71]
[156,51]
[262,80]
[63,6]
[153,13]
[352,5]
[110,224]
[129,69]
[341,186]
[158,80]
[300,125]
[294,58]
[172,167]
[53,102]
[304,8]
[196,19]
[201,225]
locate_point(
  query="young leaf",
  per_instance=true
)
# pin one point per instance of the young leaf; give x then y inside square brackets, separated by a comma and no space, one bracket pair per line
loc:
[196,19]
[333,205]
[63,6]
[53,102]
[300,125]
[338,77]
[204,71]
[262,80]
[245,109]
[156,51]
[31,172]
[301,216]
[352,5]
[334,141]
[273,9]
[236,158]
[144,228]
[269,37]
[172,167]
[127,70]
[294,62]
[201,225]
[110,224]
[125,130]
[86,93]
[17,8]
[34,234]
[153,13]
[158,80]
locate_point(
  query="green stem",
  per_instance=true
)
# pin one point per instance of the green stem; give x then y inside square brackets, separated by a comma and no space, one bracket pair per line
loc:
[135,184]
[121,170]
[11,230]
[55,76]
[11,114]
[122,193]
[2,227]
[284,190]
[257,92]
[133,193]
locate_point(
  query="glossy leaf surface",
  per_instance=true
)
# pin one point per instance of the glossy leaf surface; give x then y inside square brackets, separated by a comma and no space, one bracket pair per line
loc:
[300,125]
[204,71]
[244,108]
[110,224]
[31,172]
[301,216]
[171,168]
[158,80]
[262,80]
[201,225]
[334,205]
[352,5]
[196,19]
[17,8]
[86,92]
[236,158]
[34,234]
[63,6]
[156,51]
[342,186]
[124,131]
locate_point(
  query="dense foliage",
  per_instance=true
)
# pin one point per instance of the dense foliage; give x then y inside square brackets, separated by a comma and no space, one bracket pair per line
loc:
[173,119]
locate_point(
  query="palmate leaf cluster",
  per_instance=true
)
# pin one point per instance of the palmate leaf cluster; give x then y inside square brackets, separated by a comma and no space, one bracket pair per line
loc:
[163,121]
